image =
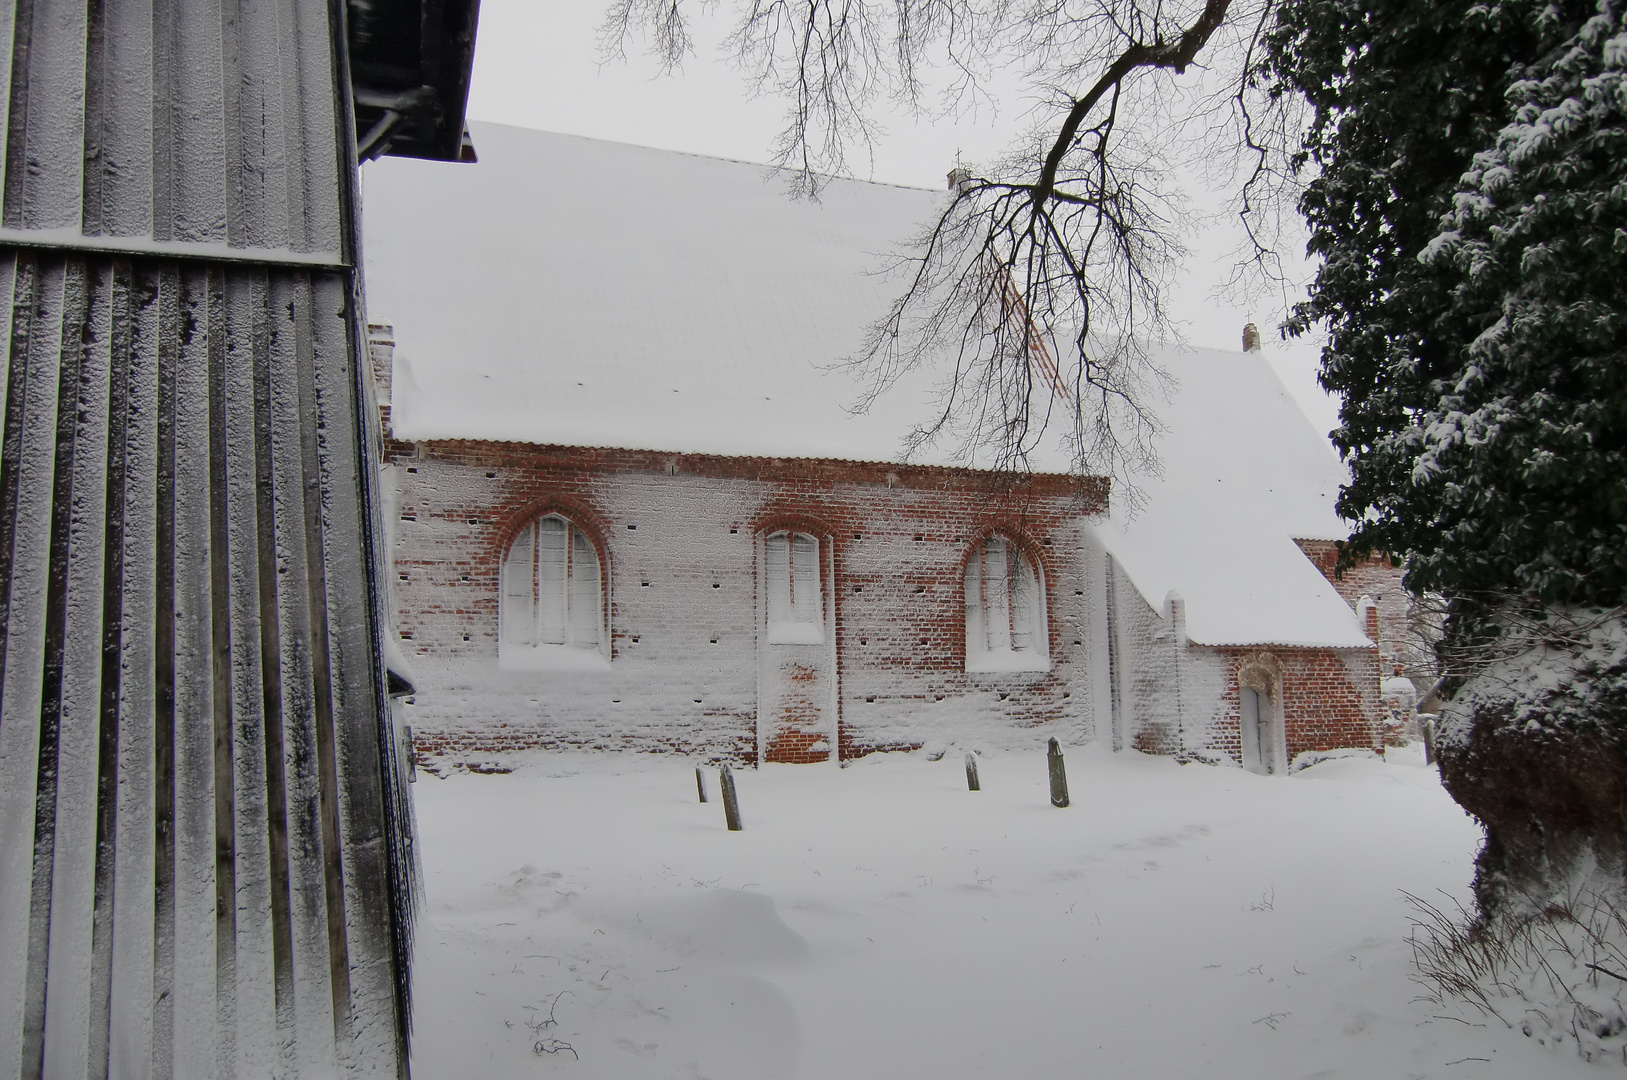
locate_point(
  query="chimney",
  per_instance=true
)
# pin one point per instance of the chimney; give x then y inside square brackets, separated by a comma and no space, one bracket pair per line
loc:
[381,352]
[959,177]
[1251,338]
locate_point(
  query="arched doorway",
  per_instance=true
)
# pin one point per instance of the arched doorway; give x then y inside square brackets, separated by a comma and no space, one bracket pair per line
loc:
[1256,750]
[1259,714]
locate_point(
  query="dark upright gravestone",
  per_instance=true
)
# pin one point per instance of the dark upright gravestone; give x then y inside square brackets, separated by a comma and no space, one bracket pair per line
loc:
[1058,773]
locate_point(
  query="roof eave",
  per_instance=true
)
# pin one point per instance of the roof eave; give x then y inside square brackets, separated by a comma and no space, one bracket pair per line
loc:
[410,65]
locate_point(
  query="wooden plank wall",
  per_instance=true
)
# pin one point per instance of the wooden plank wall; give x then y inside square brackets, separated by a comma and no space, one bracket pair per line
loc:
[205,864]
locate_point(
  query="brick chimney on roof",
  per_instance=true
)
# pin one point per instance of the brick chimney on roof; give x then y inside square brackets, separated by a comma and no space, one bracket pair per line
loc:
[1251,338]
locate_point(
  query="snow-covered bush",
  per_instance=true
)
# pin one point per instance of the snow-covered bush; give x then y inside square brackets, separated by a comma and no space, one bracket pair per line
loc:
[1548,671]
[1533,745]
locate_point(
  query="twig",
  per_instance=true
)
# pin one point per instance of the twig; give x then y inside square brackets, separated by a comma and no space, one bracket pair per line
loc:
[553,1046]
[539,1025]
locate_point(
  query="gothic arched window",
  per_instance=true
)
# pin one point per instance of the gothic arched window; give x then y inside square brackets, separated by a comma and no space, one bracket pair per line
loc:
[1005,609]
[791,568]
[552,593]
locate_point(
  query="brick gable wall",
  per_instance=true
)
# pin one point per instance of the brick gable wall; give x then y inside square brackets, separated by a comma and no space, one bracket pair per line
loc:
[1375,578]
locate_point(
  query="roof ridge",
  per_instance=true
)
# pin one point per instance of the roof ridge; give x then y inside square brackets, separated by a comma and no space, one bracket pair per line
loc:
[776,169]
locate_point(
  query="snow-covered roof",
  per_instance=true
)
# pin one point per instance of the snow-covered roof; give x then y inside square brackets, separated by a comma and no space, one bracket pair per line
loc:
[574,292]
[1244,474]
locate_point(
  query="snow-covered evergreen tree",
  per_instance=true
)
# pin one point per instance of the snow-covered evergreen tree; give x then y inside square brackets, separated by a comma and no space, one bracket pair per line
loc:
[1520,459]
[1471,209]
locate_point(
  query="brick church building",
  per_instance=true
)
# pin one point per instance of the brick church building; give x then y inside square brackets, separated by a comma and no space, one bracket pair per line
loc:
[631,507]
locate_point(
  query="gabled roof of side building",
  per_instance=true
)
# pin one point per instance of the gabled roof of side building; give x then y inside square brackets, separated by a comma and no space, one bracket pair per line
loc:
[1244,475]
[572,292]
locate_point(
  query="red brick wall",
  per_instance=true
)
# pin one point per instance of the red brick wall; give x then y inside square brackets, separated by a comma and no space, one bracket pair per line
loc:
[677,536]
[1181,698]
[1329,699]
[1372,577]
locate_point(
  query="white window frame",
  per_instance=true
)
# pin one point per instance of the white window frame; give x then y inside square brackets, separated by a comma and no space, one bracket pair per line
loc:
[794,588]
[551,599]
[1006,624]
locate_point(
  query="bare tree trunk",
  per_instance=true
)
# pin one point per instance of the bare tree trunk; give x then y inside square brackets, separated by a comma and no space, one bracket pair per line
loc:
[1534,745]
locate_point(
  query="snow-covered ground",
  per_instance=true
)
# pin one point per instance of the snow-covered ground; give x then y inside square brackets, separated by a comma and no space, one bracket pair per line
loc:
[882,921]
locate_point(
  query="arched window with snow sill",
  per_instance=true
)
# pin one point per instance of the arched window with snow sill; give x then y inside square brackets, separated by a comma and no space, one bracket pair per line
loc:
[1005,609]
[551,612]
[795,599]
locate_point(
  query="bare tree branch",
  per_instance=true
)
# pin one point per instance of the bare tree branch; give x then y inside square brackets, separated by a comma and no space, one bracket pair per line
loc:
[1036,296]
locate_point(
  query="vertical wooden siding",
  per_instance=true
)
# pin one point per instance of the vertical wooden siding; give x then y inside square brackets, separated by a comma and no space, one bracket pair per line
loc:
[204,863]
[209,125]
[193,835]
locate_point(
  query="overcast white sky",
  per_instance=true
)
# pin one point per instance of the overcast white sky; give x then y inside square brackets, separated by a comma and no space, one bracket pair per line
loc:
[537,65]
